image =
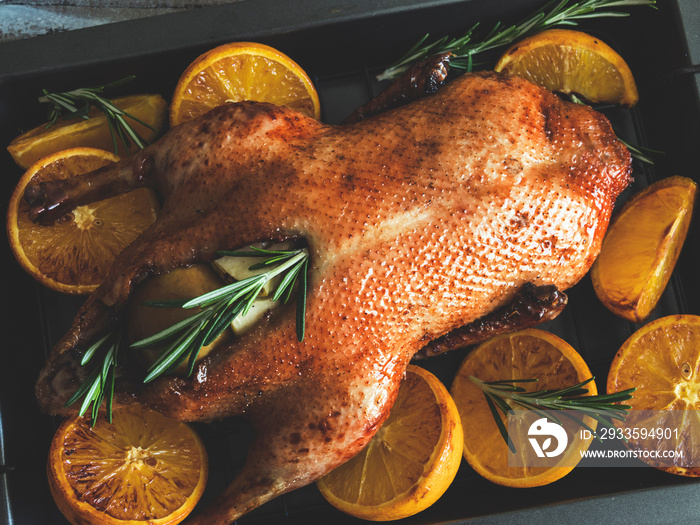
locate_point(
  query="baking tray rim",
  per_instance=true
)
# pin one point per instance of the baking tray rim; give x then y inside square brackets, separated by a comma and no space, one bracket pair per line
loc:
[65,50]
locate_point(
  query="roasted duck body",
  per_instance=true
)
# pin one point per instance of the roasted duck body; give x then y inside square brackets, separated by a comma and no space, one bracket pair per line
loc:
[419,220]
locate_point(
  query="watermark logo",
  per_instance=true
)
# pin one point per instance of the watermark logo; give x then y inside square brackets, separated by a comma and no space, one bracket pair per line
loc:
[545,431]
[567,438]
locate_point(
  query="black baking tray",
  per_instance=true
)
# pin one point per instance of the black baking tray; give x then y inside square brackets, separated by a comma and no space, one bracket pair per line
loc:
[343,44]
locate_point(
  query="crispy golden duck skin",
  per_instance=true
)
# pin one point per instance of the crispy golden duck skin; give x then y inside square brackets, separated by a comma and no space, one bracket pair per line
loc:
[419,221]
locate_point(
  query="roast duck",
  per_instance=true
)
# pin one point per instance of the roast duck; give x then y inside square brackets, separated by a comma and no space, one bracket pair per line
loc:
[429,226]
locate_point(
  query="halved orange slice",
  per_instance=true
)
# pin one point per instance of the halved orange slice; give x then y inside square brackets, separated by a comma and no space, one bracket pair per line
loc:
[242,71]
[527,354]
[411,460]
[142,468]
[74,254]
[642,246]
[662,361]
[570,61]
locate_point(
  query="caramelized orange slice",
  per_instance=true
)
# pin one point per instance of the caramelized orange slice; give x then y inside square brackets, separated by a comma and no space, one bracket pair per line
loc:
[142,468]
[662,361]
[642,246]
[94,132]
[528,354]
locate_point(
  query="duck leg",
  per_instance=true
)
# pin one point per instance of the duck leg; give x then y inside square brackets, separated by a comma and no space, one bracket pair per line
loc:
[296,443]
[531,306]
[173,242]
[423,78]
[51,200]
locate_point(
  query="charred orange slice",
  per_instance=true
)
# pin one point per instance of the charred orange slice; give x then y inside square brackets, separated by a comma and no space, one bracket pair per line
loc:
[142,468]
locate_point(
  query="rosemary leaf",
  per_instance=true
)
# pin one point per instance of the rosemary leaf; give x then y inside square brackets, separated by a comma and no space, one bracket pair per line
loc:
[194,349]
[250,298]
[92,385]
[170,303]
[224,319]
[169,331]
[129,131]
[510,382]
[237,289]
[500,404]
[556,395]
[109,394]
[272,261]
[549,415]
[77,103]
[100,381]
[504,394]
[464,49]
[582,423]
[93,395]
[301,301]
[113,134]
[286,284]
[106,373]
[499,422]
[174,356]
[641,153]
[622,395]
[91,351]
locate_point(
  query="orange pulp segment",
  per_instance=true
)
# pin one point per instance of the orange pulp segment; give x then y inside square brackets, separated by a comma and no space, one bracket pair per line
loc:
[642,246]
[242,71]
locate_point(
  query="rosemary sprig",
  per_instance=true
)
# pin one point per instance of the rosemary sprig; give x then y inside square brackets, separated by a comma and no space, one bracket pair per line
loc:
[503,396]
[99,385]
[640,153]
[185,339]
[219,308]
[464,49]
[77,103]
